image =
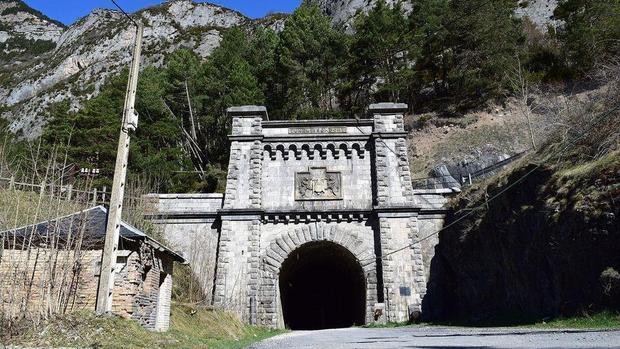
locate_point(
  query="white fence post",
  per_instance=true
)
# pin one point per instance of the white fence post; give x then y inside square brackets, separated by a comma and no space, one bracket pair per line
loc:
[69,192]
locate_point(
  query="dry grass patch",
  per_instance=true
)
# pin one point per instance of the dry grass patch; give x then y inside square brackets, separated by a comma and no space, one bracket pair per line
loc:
[191,327]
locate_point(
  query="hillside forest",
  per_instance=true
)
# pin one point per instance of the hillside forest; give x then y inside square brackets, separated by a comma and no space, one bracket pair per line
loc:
[445,57]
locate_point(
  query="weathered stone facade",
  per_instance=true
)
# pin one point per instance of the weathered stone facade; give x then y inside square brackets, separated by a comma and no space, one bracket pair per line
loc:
[65,275]
[295,184]
[142,286]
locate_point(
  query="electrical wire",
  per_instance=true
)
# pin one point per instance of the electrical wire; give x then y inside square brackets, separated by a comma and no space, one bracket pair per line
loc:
[473,210]
[125,13]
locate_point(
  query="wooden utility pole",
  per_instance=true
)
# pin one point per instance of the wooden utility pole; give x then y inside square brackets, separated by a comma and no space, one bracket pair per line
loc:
[129,124]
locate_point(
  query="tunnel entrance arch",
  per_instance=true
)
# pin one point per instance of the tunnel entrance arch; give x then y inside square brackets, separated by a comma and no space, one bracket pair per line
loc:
[322,285]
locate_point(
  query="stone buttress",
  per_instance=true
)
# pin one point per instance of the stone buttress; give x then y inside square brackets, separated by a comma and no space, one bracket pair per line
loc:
[404,281]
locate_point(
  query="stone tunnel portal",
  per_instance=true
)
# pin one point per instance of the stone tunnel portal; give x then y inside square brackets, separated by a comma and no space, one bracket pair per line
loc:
[322,285]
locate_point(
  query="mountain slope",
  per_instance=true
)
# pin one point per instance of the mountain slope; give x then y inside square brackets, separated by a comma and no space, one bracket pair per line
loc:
[24,33]
[343,12]
[547,247]
[542,238]
[99,46]
[43,62]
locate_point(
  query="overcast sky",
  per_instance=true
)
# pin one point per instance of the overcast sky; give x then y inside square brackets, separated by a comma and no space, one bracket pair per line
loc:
[68,11]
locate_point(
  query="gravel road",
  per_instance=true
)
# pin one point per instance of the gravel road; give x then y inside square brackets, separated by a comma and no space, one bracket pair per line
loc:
[439,337]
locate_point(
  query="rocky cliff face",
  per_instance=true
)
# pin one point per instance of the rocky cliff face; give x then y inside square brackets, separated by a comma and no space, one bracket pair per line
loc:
[24,33]
[343,12]
[43,62]
[83,55]
[548,246]
[538,11]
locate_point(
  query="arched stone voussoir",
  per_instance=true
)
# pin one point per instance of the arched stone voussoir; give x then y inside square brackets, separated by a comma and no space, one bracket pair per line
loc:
[306,232]
[327,233]
[351,242]
[294,237]
[280,248]
[358,247]
[289,242]
[271,265]
[300,236]
[368,264]
[275,255]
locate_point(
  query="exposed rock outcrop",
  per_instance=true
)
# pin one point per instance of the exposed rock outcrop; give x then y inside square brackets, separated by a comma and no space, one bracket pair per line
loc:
[539,11]
[452,172]
[43,62]
[24,32]
[548,246]
[343,12]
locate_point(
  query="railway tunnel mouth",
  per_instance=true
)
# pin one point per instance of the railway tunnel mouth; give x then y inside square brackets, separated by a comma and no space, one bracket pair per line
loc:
[322,285]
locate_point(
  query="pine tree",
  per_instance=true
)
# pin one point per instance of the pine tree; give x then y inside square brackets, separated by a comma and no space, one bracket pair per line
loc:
[90,136]
[228,81]
[466,48]
[430,34]
[310,54]
[591,32]
[262,56]
[380,53]
[485,37]
[201,91]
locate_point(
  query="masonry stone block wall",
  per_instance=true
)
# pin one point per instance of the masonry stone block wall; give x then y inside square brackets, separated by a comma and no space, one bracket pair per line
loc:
[433,204]
[189,224]
[24,277]
[294,183]
[142,287]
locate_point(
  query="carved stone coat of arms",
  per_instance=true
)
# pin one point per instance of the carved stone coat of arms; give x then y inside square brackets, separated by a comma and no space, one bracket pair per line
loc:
[318,184]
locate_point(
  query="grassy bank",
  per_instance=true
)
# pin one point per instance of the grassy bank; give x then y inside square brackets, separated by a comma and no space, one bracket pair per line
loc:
[190,328]
[604,320]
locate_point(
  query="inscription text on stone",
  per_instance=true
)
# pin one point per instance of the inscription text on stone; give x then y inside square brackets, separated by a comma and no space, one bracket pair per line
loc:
[316,130]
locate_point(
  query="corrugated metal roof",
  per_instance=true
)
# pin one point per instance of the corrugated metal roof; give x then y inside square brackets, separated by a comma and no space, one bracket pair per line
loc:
[93,222]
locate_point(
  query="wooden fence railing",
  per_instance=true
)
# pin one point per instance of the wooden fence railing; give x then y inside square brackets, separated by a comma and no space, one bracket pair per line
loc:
[95,196]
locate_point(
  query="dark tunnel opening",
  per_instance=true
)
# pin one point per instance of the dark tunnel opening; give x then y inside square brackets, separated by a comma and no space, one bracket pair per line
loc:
[322,286]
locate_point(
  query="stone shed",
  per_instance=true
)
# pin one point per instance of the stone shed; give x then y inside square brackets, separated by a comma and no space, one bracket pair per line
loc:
[60,260]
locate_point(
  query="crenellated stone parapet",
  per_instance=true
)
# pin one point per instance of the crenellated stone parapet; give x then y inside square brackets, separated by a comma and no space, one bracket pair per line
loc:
[317,150]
